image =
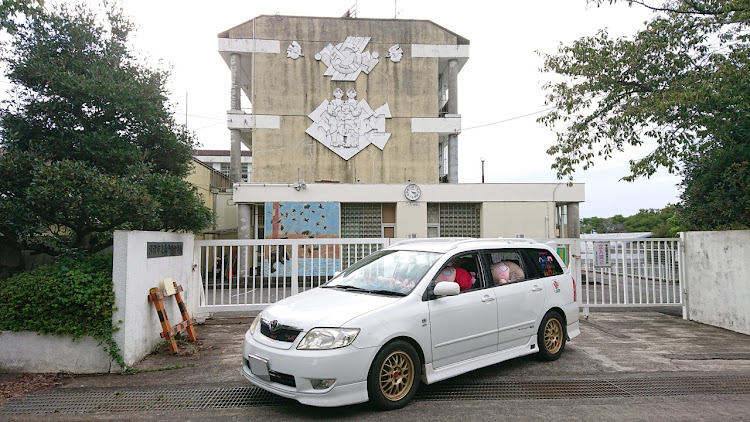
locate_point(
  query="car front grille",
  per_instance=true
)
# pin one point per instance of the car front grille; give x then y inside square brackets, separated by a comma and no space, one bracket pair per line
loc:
[282,333]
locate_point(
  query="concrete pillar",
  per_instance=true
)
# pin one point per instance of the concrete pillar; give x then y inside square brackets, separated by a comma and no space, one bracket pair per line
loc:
[235,105]
[451,77]
[574,221]
[453,158]
[235,153]
[452,80]
[244,221]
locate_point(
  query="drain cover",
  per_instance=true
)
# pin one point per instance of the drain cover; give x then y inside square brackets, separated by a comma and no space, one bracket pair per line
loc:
[71,400]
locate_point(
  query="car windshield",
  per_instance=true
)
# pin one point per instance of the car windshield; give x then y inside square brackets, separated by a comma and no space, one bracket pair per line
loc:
[386,272]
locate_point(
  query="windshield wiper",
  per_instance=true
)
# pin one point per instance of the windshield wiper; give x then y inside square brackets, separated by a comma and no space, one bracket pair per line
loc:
[359,289]
[347,287]
[387,292]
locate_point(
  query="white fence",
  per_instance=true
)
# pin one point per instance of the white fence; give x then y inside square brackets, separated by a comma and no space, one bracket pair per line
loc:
[626,272]
[248,275]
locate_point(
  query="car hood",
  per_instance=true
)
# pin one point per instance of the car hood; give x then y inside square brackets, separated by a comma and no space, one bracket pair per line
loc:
[324,308]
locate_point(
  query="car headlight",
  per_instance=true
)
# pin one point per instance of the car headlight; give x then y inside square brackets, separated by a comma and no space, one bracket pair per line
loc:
[255,323]
[328,338]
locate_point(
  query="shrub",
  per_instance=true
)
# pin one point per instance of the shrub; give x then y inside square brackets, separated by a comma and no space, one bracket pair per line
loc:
[72,297]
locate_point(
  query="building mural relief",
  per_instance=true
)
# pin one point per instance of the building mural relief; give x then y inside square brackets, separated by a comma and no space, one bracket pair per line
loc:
[347,127]
[395,53]
[347,60]
[294,51]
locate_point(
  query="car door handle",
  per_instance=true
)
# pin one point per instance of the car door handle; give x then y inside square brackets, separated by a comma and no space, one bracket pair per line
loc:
[487,299]
[536,289]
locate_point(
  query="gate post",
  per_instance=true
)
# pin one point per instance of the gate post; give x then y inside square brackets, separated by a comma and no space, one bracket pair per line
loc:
[295,268]
[682,268]
[575,269]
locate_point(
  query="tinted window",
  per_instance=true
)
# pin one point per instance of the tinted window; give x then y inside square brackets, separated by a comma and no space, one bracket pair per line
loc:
[543,262]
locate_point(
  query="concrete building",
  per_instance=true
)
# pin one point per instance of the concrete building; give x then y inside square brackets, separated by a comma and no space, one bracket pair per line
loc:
[218,160]
[353,129]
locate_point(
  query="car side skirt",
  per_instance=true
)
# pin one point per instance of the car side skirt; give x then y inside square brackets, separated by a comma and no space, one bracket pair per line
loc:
[431,375]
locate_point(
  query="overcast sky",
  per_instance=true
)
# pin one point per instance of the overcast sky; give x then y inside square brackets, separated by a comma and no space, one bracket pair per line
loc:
[500,82]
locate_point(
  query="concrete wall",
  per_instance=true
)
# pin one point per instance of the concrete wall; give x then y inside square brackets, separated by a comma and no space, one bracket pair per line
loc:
[292,89]
[715,268]
[200,177]
[133,275]
[411,218]
[507,219]
[29,352]
[226,211]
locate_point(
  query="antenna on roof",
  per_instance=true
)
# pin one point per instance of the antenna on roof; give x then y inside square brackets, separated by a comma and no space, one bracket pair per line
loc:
[352,12]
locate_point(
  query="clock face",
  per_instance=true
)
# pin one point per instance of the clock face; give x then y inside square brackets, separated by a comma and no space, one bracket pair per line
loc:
[412,192]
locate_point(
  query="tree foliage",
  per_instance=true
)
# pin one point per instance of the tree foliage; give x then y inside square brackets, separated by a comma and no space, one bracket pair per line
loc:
[716,190]
[661,223]
[12,10]
[682,81]
[90,144]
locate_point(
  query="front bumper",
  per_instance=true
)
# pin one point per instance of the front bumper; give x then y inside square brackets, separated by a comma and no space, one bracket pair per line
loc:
[292,371]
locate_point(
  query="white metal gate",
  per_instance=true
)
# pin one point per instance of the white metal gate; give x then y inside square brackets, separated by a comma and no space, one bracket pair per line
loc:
[638,272]
[248,275]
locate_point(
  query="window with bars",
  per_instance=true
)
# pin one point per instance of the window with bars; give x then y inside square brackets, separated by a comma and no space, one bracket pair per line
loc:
[453,220]
[361,220]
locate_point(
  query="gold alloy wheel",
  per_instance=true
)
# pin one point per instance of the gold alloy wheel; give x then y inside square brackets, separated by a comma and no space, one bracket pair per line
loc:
[553,333]
[396,375]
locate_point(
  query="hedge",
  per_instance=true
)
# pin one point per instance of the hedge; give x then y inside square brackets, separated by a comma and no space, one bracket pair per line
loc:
[73,297]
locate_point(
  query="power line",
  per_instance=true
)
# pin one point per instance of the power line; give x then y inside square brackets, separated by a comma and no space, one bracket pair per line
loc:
[509,119]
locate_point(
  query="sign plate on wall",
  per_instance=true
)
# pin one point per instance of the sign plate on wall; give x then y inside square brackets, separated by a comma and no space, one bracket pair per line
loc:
[162,249]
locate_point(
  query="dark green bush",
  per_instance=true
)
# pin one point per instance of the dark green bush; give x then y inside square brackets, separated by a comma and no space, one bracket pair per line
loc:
[72,297]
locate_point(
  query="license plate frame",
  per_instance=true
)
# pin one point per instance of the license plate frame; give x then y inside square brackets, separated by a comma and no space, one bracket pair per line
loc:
[259,367]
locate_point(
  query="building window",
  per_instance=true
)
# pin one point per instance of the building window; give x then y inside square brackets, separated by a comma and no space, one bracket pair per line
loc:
[453,220]
[443,162]
[361,220]
[243,173]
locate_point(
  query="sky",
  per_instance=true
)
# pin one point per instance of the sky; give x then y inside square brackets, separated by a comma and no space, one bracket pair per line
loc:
[500,93]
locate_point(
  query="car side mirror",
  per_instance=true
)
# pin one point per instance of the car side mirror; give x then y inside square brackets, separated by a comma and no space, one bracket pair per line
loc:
[446,288]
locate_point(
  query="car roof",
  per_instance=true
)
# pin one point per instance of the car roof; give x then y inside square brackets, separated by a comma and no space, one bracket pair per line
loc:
[446,244]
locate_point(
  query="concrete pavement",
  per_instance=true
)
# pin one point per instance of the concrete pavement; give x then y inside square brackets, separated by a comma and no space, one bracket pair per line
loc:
[632,365]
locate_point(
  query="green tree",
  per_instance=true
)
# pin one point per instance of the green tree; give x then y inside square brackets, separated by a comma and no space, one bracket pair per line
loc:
[90,144]
[716,190]
[12,10]
[681,82]
[661,223]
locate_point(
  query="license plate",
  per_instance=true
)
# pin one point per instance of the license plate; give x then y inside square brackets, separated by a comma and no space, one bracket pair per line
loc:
[259,367]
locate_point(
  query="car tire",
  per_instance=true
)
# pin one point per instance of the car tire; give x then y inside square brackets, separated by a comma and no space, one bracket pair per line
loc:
[394,376]
[551,336]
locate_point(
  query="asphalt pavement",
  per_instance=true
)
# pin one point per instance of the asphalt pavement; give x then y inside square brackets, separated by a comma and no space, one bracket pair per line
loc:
[625,366]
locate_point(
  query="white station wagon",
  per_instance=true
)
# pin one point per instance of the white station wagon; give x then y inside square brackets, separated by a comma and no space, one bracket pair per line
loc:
[418,311]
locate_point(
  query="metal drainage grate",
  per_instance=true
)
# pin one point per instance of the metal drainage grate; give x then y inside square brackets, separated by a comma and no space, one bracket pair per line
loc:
[586,388]
[112,400]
